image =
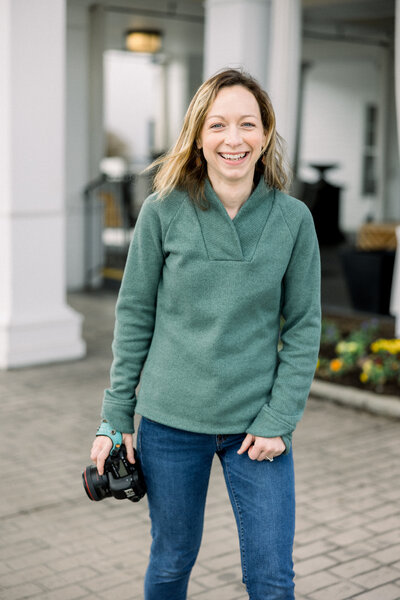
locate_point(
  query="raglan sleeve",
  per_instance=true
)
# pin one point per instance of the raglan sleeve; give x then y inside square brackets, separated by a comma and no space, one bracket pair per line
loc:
[135,317]
[300,337]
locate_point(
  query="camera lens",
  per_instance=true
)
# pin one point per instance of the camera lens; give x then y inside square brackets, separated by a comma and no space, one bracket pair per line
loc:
[96,486]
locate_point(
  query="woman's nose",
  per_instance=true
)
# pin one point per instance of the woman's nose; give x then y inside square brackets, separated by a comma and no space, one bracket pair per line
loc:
[233,136]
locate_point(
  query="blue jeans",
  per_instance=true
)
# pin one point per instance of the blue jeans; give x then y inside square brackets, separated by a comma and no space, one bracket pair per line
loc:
[176,465]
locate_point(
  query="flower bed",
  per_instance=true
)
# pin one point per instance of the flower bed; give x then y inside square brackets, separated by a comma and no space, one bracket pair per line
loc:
[361,354]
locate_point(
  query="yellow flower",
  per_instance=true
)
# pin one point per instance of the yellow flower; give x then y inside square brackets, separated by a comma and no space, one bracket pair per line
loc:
[391,346]
[335,365]
[367,366]
[343,347]
[340,347]
[318,363]
[364,377]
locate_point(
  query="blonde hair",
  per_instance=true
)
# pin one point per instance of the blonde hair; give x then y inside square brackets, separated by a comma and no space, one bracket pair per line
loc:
[184,166]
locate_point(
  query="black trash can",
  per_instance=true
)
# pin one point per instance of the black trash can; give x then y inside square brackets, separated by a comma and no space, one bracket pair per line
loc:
[368,276]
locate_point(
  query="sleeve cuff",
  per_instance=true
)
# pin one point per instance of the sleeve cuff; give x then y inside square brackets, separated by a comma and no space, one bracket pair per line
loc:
[118,417]
[287,440]
[270,424]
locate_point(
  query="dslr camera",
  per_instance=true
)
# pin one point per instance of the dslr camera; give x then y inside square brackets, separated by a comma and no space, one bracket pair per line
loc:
[121,479]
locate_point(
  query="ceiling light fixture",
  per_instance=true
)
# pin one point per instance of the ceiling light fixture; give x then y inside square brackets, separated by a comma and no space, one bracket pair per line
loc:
[143,40]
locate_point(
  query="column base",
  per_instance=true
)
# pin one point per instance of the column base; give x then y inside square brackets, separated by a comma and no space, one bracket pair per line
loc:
[46,339]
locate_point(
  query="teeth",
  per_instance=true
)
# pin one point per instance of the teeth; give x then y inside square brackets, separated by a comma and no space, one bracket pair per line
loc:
[233,156]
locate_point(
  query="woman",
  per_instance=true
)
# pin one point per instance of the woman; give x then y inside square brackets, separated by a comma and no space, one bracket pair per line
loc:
[220,253]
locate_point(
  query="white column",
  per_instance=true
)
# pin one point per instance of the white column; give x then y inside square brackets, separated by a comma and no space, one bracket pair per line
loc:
[237,34]
[395,297]
[77,142]
[284,67]
[36,325]
[263,37]
[161,97]
[177,78]
[97,46]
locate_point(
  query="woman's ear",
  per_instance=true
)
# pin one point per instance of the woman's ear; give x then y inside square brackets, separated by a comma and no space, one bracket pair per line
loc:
[198,155]
[265,141]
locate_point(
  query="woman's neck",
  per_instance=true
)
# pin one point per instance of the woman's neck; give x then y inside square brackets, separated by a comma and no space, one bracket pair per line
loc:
[232,195]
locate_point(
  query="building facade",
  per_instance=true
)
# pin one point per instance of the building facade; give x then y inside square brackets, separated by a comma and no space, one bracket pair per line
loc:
[331,68]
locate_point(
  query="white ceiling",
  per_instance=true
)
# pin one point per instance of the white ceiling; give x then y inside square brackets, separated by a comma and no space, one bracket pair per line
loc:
[363,15]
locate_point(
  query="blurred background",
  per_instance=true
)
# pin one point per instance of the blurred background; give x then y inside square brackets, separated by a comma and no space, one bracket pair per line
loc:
[91,93]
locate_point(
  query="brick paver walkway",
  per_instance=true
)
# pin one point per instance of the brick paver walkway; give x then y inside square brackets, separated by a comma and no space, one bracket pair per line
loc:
[57,545]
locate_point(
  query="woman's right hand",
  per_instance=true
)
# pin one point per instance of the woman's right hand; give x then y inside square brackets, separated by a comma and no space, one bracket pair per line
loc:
[102,446]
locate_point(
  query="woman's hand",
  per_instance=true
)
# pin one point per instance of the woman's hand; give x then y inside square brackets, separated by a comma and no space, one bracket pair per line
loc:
[102,446]
[261,448]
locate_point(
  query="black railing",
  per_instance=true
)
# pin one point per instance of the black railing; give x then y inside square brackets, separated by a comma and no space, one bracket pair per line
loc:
[109,221]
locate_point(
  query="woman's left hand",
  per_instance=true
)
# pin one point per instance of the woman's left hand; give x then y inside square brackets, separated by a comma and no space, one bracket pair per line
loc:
[261,448]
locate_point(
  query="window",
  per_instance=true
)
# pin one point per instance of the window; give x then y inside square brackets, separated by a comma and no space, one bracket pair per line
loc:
[369,179]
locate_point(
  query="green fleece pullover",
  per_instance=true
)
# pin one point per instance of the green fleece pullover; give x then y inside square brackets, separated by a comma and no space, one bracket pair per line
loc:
[199,311]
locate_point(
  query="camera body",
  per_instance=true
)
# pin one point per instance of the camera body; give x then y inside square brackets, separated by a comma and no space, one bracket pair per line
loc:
[121,479]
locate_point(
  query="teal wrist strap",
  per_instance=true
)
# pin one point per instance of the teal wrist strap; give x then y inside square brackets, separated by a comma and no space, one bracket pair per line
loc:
[115,436]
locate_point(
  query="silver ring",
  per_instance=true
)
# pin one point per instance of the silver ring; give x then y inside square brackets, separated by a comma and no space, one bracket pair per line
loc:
[269,459]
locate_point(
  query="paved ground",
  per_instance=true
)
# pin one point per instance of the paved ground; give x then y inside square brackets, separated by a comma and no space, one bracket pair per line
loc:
[57,545]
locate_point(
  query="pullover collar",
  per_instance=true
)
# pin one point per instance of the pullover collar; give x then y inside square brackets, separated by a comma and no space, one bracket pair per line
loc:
[235,239]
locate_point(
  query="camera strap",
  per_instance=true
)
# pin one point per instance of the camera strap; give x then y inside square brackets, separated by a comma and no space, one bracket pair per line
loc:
[115,436]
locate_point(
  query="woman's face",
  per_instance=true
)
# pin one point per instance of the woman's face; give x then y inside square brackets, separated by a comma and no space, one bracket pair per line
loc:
[232,136]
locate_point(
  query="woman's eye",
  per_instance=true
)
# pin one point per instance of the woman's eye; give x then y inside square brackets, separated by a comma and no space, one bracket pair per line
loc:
[216,126]
[248,125]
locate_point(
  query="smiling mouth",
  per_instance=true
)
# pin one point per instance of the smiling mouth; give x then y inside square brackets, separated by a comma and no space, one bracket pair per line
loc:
[234,157]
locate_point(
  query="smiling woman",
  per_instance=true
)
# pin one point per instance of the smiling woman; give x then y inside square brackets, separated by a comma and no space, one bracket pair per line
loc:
[219,254]
[185,165]
[232,140]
